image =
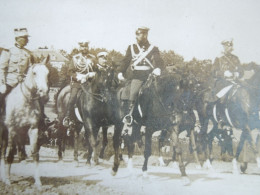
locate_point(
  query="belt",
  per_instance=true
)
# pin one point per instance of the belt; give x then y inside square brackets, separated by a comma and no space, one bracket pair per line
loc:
[140,67]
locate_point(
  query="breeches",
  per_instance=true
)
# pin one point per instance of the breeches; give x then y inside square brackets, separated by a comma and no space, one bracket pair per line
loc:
[72,100]
[135,87]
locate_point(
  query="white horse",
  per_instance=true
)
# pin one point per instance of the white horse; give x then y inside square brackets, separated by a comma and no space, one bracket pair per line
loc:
[23,114]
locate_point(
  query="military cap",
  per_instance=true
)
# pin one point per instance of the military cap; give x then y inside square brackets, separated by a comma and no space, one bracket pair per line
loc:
[84,44]
[103,53]
[21,32]
[142,29]
[227,42]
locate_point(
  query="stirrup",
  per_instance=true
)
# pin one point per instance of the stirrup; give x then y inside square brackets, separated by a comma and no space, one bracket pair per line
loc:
[128,119]
[66,121]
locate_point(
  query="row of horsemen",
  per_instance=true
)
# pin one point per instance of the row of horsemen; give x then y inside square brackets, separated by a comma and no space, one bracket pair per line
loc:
[141,60]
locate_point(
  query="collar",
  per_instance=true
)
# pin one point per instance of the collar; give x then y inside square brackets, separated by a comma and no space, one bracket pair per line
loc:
[18,46]
[102,67]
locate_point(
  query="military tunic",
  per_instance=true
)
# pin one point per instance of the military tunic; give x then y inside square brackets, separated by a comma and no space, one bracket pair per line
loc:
[153,56]
[226,62]
[13,65]
[136,74]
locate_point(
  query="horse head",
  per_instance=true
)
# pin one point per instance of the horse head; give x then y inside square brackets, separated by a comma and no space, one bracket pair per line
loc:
[37,78]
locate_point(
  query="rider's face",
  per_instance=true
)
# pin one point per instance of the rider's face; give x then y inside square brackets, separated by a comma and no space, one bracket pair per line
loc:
[102,60]
[84,49]
[22,41]
[228,48]
[141,37]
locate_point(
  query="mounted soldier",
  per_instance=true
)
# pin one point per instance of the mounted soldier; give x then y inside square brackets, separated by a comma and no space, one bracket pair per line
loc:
[80,70]
[141,59]
[227,71]
[14,63]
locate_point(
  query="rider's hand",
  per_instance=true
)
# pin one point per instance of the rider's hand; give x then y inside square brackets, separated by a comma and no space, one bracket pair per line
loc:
[79,76]
[91,74]
[236,74]
[120,76]
[228,74]
[157,72]
[2,88]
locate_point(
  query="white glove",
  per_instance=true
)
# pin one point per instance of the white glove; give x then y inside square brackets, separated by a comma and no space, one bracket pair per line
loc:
[236,74]
[79,76]
[2,88]
[120,76]
[157,72]
[91,74]
[227,73]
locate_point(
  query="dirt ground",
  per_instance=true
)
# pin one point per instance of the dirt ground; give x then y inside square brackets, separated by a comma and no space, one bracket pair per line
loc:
[66,178]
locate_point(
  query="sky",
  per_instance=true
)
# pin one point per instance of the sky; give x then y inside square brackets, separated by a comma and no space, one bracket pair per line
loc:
[191,28]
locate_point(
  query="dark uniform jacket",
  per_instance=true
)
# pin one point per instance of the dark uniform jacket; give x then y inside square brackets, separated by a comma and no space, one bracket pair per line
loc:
[78,65]
[226,62]
[153,56]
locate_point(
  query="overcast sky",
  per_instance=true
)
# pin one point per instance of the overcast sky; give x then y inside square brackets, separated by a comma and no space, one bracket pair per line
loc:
[192,28]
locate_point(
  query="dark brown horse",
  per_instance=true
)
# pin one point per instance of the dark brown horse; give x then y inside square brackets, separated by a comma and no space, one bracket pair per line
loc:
[239,110]
[164,103]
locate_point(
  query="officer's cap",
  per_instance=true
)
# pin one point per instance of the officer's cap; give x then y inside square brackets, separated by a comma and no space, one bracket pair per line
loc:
[84,44]
[227,42]
[21,32]
[142,29]
[102,54]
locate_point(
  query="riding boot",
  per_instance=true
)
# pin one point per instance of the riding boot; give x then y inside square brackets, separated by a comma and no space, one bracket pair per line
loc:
[128,119]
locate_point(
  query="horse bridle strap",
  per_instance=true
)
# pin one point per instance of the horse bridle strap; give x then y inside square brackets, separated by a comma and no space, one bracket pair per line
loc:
[97,96]
[28,98]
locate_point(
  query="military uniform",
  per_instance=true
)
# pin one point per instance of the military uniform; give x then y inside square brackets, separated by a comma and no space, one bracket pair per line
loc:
[227,62]
[79,65]
[14,64]
[139,72]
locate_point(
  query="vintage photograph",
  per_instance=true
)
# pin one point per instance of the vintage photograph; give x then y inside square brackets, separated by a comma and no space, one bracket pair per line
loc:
[130,97]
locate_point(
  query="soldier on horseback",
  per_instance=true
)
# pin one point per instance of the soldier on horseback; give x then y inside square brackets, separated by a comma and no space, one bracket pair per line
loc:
[140,60]
[80,70]
[14,63]
[227,71]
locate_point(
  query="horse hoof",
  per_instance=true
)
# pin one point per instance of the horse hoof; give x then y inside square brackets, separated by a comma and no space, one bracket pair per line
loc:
[162,164]
[7,182]
[76,163]
[38,186]
[113,173]
[145,174]
[186,181]
[243,167]
[258,162]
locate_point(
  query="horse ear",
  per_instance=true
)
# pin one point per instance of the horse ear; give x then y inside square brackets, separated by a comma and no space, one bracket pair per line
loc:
[46,60]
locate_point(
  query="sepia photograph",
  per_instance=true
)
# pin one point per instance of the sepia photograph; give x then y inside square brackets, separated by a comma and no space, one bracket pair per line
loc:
[128,97]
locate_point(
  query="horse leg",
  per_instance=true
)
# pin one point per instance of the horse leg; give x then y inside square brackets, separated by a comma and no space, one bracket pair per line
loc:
[240,146]
[76,145]
[147,149]
[116,142]
[176,144]
[160,145]
[3,145]
[10,155]
[33,136]
[243,166]
[194,148]
[104,142]
[134,138]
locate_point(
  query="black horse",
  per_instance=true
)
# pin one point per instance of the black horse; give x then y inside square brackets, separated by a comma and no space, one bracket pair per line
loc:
[164,103]
[97,84]
[238,108]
